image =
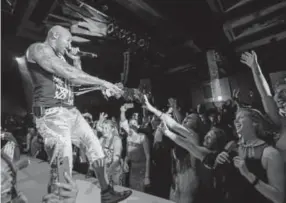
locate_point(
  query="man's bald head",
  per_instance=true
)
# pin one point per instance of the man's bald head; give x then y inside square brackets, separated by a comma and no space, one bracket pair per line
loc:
[57,31]
[60,39]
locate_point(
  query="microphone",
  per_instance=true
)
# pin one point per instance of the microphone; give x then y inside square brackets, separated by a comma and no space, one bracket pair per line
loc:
[87,54]
[82,53]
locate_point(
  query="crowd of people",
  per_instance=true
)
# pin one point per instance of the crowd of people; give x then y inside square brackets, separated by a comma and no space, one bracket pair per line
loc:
[229,153]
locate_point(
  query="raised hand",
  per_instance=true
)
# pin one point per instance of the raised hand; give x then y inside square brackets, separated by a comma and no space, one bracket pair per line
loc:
[249,59]
[172,102]
[147,105]
[102,116]
[240,164]
[222,158]
[235,94]
[72,53]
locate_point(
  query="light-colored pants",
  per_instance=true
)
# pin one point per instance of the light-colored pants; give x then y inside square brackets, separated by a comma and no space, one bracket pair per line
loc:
[61,127]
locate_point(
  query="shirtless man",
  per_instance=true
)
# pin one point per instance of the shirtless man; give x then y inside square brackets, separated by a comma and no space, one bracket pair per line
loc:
[57,120]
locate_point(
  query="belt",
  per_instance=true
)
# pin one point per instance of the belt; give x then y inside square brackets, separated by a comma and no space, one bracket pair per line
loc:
[40,111]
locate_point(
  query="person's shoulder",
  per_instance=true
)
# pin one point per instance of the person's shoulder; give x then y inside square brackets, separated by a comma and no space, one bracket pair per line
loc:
[37,49]
[271,153]
[35,45]
[270,150]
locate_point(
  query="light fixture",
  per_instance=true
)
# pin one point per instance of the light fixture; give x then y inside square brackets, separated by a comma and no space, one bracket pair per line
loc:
[110,28]
[141,42]
[219,98]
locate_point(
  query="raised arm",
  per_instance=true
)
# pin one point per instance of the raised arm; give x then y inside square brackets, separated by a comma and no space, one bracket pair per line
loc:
[187,143]
[170,122]
[47,59]
[123,121]
[270,107]
[146,146]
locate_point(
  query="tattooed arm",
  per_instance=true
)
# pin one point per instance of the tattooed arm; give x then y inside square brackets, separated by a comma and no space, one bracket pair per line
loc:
[47,59]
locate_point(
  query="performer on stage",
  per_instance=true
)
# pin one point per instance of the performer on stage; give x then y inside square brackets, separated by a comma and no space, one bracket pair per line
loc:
[57,120]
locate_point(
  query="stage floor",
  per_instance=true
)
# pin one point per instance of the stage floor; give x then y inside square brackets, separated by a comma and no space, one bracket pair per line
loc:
[33,182]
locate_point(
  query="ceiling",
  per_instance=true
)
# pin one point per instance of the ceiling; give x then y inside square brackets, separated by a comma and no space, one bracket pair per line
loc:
[180,32]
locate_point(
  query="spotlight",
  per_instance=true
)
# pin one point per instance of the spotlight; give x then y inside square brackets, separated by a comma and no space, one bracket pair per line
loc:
[121,34]
[19,60]
[110,28]
[133,38]
[141,42]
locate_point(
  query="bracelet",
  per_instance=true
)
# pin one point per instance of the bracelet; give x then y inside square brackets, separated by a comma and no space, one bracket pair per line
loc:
[255,182]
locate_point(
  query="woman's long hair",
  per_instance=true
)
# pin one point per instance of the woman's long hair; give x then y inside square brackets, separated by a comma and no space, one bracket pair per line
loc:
[264,128]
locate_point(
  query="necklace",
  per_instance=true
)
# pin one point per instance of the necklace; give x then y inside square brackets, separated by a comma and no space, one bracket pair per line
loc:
[247,148]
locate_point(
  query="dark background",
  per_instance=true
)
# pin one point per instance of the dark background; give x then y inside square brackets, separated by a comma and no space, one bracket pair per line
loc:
[182,21]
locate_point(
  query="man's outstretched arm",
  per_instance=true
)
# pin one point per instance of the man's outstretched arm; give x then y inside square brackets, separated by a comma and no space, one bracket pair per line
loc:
[47,59]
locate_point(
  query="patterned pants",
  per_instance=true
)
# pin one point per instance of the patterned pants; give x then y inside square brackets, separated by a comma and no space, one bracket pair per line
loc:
[60,128]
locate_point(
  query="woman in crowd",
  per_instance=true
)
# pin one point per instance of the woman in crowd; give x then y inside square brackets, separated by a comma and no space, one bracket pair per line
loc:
[259,164]
[185,179]
[210,182]
[112,146]
[274,106]
[138,153]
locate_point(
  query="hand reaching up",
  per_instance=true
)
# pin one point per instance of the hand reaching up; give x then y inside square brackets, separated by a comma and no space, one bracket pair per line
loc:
[235,94]
[249,59]
[102,116]
[147,105]
[172,102]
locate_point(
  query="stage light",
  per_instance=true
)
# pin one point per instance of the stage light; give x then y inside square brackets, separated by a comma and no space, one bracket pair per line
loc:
[141,42]
[133,38]
[19,60]
[110,28]
[121,34]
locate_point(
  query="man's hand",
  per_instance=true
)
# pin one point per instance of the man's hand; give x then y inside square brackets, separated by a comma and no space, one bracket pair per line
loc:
[249,59]
[68,191]
[72,53]
[112,90]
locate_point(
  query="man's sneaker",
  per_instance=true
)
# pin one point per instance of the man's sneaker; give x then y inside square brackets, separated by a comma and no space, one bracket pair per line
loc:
[111,196]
